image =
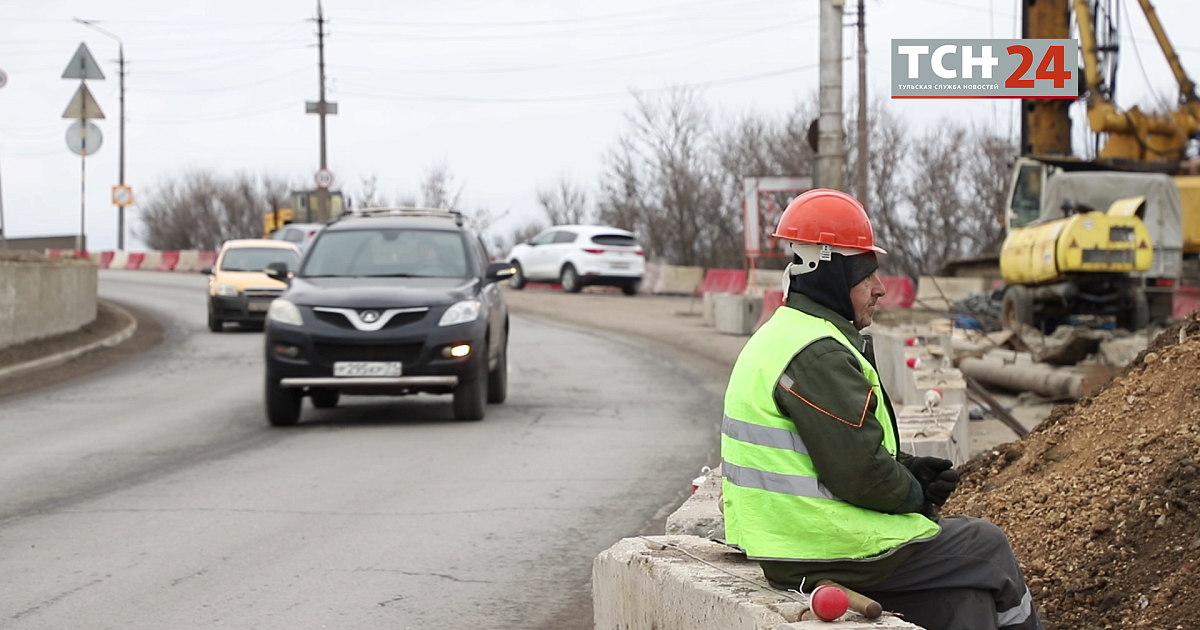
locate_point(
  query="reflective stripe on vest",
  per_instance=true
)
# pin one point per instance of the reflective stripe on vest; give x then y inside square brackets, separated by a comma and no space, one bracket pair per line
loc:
[775,505]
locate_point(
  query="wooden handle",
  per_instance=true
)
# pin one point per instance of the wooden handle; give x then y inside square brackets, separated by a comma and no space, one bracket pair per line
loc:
[859,603]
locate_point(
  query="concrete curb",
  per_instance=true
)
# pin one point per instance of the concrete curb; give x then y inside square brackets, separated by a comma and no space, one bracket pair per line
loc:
[67,355]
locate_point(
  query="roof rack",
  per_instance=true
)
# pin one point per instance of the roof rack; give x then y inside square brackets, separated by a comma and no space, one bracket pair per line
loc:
[409,211]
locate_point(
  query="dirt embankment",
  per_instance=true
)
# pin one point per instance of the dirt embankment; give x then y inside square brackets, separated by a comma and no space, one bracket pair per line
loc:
[1102,500]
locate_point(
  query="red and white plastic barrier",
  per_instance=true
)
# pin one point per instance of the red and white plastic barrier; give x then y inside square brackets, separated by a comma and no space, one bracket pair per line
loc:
[154,260]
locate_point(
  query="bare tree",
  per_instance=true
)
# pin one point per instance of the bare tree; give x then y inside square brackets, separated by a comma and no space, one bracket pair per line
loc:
[201,210]
[438,191]
[988,168]
[661,181]
[565,203]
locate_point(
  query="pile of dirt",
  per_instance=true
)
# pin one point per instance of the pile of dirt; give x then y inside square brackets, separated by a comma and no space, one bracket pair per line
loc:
[1102,500]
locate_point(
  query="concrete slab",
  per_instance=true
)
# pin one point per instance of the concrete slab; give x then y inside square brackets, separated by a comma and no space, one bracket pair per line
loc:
[938,293]
[949,380]
[689,583]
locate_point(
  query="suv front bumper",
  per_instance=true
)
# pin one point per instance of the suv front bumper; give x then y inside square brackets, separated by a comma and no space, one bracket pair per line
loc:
[303,357]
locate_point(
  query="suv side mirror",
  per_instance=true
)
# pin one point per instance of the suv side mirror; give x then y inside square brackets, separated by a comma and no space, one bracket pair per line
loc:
[279,271]
[206,271]
[499,271]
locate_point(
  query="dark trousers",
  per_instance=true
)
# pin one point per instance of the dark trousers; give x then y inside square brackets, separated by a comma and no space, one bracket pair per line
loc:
[966,578]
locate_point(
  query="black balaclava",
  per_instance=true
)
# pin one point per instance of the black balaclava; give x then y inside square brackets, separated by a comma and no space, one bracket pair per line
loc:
[830,283]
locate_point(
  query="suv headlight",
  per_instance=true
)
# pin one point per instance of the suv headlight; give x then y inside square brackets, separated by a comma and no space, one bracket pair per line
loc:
[227,290]
[284,312]
[461,313]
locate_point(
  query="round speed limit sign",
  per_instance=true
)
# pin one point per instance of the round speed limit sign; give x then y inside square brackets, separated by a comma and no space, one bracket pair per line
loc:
[3,79]
[323,178]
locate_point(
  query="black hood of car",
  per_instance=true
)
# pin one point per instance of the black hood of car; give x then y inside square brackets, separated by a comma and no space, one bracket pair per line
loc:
[363,292]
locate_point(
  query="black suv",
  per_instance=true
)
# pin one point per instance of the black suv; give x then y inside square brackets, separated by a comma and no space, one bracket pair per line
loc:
[389,302]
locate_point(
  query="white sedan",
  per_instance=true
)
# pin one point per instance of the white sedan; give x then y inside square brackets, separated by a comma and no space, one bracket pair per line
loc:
[580,255]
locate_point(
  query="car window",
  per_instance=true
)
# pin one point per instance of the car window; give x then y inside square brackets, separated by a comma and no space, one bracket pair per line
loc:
[388,252]
[294,236]
[615,239]
[257,258]
[547,237]
[565,237]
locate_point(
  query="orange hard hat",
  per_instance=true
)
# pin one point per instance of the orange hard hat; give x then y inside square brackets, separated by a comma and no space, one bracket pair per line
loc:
[827,217]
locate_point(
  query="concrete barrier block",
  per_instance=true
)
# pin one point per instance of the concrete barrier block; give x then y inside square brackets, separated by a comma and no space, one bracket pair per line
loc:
[45,298]
[676,280]
[649,278]
[701,514]
[736,314]
[949,380]
[943,432]
[652,584]
[152,260]
[188,260]
[709,301]
[119,260]
[723,281]
[938,293]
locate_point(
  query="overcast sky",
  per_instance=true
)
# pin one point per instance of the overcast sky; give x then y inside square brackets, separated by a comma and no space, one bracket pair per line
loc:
[509,95]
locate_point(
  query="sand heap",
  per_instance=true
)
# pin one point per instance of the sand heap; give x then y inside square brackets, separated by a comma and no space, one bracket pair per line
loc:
[1102,500]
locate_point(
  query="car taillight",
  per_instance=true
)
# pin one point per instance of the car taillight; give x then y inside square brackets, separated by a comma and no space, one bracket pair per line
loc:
[311,232]
[638,252]
[594,251]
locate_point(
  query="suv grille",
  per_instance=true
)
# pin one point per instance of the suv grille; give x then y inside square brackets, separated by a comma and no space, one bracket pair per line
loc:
[402,352]
[397,320]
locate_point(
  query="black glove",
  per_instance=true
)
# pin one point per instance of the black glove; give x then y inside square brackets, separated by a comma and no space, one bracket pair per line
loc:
[927,469]
[938,491]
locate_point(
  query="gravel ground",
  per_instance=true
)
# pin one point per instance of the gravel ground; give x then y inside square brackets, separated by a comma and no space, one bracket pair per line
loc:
[1101,500]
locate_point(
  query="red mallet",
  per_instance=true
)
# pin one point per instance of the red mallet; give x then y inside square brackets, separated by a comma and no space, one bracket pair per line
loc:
[829,602]
[912,341]
[914,363]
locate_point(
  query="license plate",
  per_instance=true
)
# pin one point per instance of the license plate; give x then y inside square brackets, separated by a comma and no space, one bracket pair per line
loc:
[258,306]
[619,265]
[366,368]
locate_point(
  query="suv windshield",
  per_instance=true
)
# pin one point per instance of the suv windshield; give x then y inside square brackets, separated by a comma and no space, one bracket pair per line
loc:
[257,258]
[388,252]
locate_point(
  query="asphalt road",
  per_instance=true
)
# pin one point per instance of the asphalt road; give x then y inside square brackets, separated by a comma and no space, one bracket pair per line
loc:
[154,494]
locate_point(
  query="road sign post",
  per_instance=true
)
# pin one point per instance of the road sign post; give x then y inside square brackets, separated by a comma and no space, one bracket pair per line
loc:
[83,107]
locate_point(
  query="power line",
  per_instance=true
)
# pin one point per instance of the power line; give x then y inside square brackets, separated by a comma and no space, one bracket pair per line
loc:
[550,66]
[580,97]
[550,22]
[228,88]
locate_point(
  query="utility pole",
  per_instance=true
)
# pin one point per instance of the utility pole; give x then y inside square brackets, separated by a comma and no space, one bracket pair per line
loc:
[830,150]
[860,186]
[321,107]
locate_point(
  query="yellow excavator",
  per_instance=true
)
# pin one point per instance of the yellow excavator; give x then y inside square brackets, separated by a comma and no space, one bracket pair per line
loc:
[1113,236]
[305,208]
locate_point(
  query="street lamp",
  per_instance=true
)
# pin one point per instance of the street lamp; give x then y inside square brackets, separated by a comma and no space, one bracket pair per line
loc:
[121,173]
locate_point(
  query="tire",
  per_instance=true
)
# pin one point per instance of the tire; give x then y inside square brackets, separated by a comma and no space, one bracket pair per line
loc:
[214,324]
[325,398]
[569,279]
[517,281]
[470,397]
[1137,314]
[283,405]
[631,288]
[497,381]
[1017,308]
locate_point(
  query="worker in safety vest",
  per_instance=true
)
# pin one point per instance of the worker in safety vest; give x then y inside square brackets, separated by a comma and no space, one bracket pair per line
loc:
[814,484]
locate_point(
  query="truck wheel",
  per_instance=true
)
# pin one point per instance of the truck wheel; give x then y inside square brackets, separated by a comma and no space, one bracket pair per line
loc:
[470,396]
[283,404]
[1137,311]
[1017,308]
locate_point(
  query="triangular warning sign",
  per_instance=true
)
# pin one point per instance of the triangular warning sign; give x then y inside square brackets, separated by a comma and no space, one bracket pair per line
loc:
[1073,244]
[83,105]
[83,66]
[1142,245]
